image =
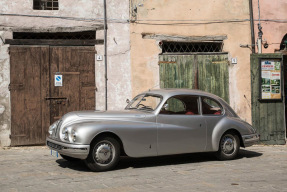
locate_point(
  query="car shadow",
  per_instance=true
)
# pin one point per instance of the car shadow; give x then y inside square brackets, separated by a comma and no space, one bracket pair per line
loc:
[128,162]
[77,165]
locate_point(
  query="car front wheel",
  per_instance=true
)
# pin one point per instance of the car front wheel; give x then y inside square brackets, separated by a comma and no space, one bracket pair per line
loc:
[228,147]
[104,154]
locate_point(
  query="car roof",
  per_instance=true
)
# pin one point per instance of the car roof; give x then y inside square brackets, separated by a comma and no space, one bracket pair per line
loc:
[166,93]
[175,91]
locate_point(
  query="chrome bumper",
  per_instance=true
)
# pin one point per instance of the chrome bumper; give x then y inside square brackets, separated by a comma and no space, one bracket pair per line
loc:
[249,140]
[71,150]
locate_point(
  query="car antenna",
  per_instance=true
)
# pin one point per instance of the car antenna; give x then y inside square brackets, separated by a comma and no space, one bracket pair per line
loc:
[153,87]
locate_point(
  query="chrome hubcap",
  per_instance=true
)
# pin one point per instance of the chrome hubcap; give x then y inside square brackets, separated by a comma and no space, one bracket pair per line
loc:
[104,153]
[228,145]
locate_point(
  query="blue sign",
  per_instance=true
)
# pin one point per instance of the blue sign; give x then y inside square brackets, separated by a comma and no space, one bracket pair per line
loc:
[58,80]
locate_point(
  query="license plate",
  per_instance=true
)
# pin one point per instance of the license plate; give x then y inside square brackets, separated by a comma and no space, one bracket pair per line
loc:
[54,153]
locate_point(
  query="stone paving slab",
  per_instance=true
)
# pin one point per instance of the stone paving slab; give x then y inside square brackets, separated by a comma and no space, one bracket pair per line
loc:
[258,168]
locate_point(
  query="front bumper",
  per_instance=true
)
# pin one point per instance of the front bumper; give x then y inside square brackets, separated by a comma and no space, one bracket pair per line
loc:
[71,150]
[249,140]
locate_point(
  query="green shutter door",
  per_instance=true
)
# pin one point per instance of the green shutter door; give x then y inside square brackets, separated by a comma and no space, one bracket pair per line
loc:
[205,72]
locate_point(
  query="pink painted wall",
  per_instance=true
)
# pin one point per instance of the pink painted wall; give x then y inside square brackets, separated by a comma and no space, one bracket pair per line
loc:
[273,31]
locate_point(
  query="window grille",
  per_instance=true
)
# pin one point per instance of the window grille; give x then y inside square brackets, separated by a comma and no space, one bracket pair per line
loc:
[61,35]
[191,47]
[45,4]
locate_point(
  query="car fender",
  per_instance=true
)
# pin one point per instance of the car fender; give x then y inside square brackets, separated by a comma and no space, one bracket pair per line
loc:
[138,137]
[226,124]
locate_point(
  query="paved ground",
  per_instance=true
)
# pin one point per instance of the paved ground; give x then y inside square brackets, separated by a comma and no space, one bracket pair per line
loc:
[260,168]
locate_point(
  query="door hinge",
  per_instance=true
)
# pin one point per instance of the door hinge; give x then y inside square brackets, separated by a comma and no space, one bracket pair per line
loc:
[15,86]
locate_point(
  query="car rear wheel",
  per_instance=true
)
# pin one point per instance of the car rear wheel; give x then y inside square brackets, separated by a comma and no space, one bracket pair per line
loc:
[104,154]
[228,147]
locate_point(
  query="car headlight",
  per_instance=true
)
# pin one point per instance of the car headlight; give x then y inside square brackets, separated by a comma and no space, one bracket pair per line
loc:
[53,127]
[74,136]
[69,134]
[65,134]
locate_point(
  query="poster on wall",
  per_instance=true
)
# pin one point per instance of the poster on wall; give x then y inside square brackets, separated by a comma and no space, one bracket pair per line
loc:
[270,87]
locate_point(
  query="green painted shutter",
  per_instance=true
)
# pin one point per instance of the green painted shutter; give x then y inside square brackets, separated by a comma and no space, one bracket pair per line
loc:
[205,72]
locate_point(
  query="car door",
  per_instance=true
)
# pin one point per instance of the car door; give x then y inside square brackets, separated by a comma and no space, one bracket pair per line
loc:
[181,127]
[213,113]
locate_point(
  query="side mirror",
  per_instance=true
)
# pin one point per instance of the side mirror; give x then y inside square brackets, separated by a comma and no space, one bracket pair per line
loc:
[128,101]
[165,106]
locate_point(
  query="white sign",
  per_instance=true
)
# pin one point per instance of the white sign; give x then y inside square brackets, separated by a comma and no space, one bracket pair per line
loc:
[99,57]
[234,60]
[267,65]
[58,80]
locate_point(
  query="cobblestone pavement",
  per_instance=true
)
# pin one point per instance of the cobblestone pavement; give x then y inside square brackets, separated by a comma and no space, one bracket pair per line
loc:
[258,168]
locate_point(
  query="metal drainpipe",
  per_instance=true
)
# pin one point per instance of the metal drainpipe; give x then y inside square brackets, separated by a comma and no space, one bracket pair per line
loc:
[260,33]
[252,26]
[105,57]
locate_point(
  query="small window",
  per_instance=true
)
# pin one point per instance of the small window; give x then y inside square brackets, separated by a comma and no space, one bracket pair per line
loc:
[181,104]
[211,107]
[191,47]
[45,5]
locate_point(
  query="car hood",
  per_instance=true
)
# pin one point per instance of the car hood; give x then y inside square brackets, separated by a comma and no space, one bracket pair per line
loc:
[124,115]
[112,114]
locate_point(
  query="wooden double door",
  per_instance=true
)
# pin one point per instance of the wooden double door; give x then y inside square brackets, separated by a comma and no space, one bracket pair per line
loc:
[204,72]
[47,82]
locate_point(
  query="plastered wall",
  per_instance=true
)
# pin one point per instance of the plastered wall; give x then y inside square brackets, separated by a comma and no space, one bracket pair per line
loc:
[275,29]
[5,116]
[192,18]
[72,16]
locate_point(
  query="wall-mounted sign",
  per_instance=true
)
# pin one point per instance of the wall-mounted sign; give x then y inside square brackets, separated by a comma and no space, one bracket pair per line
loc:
[99,57]
[58,80]
[234,60]
[271,81]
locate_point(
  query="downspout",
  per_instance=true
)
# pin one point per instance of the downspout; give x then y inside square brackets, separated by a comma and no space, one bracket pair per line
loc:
[260,33]
[252,26]
[105,57]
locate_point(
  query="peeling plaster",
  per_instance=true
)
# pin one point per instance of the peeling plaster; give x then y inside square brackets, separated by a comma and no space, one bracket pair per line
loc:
[4,94]
[144,51]
[119,78]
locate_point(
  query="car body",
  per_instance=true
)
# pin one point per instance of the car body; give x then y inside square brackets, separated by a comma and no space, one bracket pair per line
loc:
[156,122]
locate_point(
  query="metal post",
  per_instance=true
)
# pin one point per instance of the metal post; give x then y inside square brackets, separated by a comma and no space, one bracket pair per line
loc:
[105,57]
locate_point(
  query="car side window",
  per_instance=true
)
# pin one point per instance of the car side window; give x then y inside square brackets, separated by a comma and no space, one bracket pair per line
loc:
[181,105]
[211,107]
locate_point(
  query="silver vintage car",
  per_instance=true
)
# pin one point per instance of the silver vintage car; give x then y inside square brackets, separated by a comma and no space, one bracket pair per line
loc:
[154,123]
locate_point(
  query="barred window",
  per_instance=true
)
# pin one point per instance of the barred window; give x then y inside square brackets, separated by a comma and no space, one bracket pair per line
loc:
[190,47]
[45,5]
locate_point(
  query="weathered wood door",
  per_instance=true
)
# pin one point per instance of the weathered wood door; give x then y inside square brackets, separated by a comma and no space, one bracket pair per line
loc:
[27,66]
[76,65]
[35,100]
[205,72]
[267,117]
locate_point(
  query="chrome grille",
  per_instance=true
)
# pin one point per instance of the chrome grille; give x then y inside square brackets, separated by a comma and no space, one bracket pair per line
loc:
[55,132]
[54,146]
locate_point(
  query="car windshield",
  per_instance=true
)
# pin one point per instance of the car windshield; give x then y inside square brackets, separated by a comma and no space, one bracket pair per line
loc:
[145,102]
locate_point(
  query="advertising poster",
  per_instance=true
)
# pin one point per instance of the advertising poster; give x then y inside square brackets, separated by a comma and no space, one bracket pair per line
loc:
[270,79]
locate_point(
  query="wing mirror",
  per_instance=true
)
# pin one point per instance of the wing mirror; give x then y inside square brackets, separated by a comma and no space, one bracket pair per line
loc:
[128,101]
[165,106]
